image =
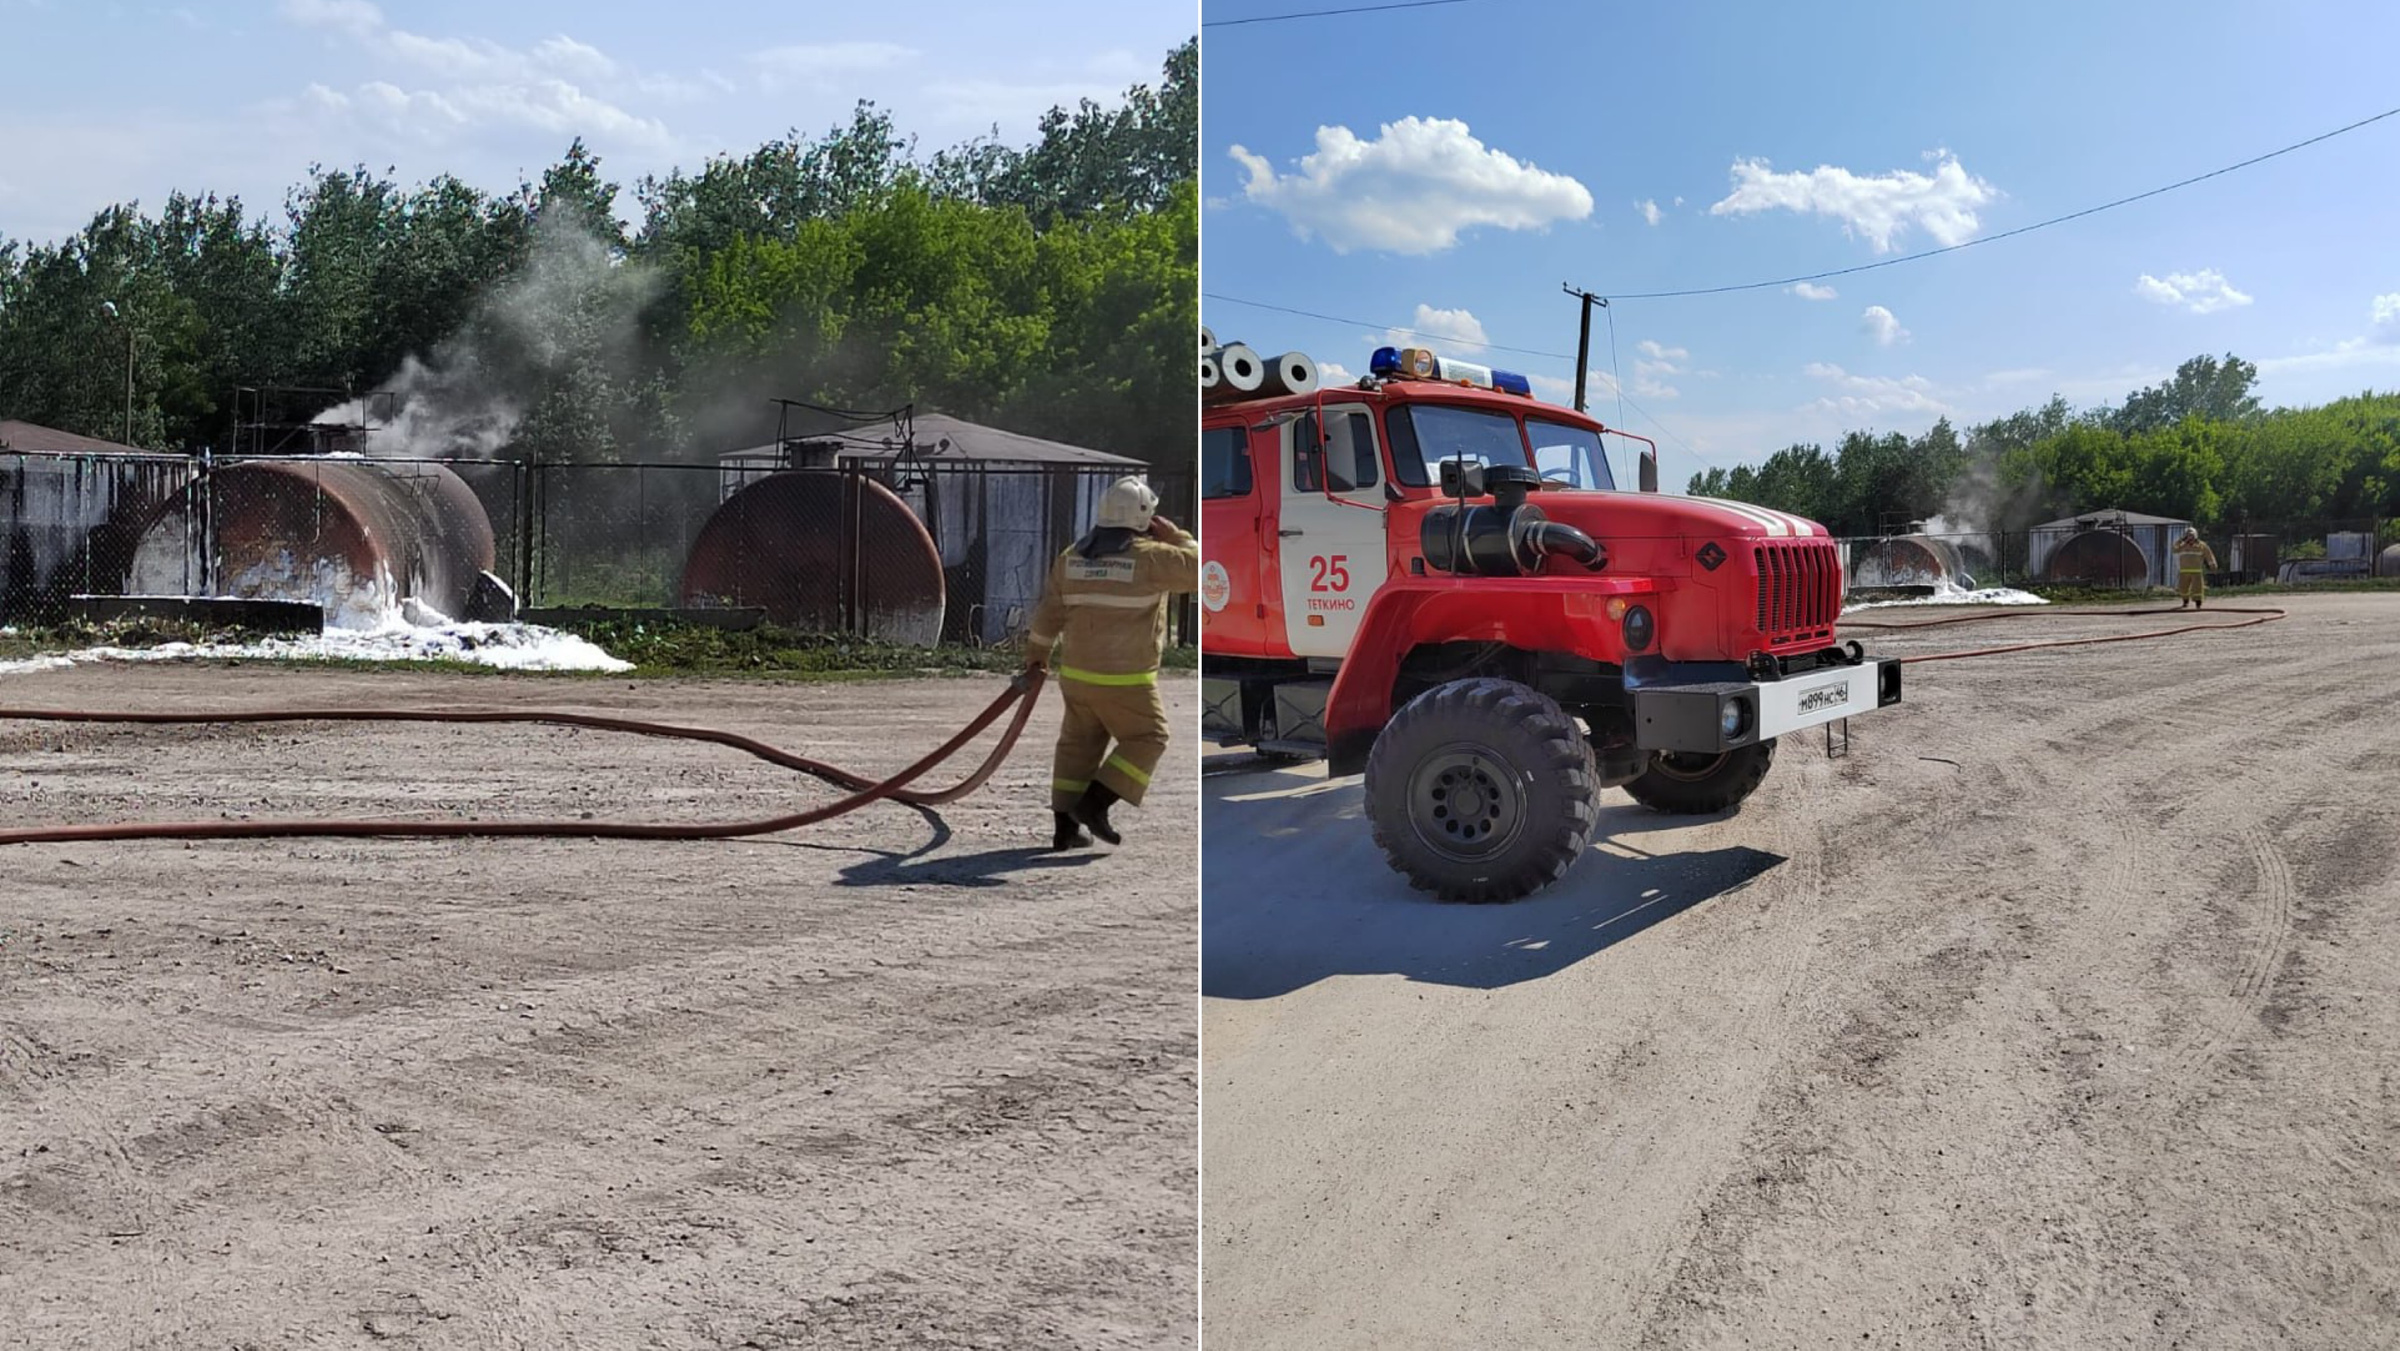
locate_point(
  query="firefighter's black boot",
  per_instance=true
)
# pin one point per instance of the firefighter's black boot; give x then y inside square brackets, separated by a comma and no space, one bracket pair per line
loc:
[1092,811]
[1064,834]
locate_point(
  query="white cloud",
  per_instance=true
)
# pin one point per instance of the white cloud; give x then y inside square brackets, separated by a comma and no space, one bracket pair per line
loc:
[1411,190]
[475,81]
[2387,317]
[2202,292]
[569,57]
[1334,375]
[1560,390]
[1654,362]
[1861,396]
[1883,324]
[350,16]
[1649,210]
[1452,328]
[807,61]
[1811,291]
[1880,207]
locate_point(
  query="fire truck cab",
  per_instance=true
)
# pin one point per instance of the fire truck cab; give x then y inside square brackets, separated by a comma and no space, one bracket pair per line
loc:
[1432,578]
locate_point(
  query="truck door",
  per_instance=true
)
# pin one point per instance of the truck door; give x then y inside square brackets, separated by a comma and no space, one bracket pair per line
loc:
[1233,610]
[1330,535]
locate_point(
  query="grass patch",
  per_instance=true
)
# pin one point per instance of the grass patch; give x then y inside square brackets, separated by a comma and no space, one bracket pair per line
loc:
[2104,595]
[769,651]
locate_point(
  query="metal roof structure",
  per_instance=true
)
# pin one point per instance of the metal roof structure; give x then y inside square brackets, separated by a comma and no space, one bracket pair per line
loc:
[29,439]
[2084,520]
[941,439]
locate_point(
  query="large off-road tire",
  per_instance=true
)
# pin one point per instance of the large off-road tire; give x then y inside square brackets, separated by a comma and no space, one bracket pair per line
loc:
[1690,785]
[1482,790]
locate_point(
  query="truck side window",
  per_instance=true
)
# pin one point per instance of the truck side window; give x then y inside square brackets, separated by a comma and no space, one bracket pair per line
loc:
[1350,451]
[1225,462]
[1308,457]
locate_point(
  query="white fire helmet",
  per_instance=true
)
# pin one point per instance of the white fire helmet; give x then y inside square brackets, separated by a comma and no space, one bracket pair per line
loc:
[1127,505]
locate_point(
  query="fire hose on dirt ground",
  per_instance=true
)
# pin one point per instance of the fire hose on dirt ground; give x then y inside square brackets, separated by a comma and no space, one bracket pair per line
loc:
[2266,615]
[1021,692]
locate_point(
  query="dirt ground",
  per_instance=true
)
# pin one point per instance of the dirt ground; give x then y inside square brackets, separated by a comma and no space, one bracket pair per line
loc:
[897,1080]
[2065,1011]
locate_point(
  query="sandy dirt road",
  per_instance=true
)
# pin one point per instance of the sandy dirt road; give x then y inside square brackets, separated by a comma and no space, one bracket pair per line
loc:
[2064,1012]
[907,1082]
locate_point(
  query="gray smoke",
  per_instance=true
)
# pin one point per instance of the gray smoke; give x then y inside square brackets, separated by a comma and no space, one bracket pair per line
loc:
[572,308]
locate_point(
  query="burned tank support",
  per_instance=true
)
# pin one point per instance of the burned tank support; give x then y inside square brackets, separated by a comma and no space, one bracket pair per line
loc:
[359,537]
[821,551]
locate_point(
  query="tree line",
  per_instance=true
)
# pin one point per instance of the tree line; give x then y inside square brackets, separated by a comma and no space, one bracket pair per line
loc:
[2196,447]
[1050,288]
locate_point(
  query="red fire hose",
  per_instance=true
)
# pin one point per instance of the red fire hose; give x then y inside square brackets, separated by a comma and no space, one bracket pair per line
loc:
[1020,691]
[2262,616]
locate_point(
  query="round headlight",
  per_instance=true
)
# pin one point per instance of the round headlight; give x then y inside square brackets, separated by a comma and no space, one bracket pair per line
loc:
[1639,629]
[1733,718]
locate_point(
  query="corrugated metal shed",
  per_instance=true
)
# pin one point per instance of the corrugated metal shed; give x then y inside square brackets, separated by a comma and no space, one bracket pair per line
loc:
[71,512]
[28,439]
[2155,536]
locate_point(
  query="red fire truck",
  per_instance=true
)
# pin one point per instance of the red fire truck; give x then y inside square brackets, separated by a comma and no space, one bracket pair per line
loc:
[1432,578]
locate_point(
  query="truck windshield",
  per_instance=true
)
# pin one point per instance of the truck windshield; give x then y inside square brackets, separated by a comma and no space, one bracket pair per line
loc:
[1424,435]
[1570,457]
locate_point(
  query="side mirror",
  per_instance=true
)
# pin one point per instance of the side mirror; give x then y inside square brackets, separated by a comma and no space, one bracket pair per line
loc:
[1649,471]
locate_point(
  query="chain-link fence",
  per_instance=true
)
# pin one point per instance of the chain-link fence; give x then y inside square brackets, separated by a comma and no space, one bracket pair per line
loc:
[2110,553]
[955,553]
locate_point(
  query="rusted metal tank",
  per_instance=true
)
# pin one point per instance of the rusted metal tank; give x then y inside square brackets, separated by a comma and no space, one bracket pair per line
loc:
[2387,563]
[2097,558]
[356,536]
[1910,560]
[821,551]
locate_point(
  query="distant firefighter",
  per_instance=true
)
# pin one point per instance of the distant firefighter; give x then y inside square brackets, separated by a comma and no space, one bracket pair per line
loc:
[2193,561]
[1104,618]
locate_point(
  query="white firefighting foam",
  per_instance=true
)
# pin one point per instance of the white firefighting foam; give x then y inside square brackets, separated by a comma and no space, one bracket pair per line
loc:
[1946,592]
[404,632]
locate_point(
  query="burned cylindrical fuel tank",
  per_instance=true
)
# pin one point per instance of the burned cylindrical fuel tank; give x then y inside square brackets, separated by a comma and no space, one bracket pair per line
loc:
[356,536]
[1909,560]
[822,552]
[2097,558]
[2387,563]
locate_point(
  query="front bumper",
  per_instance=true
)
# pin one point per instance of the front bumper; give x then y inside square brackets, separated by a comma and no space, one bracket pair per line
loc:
[1693,717]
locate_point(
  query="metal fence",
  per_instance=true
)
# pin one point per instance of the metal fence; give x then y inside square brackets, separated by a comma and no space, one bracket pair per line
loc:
[2106,554]
[957,554]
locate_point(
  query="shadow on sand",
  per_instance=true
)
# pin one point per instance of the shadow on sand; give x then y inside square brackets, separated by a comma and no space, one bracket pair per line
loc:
[1294,891]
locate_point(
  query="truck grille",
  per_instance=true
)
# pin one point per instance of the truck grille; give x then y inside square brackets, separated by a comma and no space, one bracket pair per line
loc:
[1799,591]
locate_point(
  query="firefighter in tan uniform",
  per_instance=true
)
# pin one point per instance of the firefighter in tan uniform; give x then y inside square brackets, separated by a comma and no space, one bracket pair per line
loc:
[2193,562]
[1104,618]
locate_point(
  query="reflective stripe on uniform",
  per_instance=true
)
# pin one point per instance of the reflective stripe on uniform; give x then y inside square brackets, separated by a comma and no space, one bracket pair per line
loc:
[1070,785]
[1106,678]
[1125,767]
[1115,602]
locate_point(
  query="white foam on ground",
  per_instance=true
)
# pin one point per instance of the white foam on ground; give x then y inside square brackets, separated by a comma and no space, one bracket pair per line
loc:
[1953,595]
[507,647]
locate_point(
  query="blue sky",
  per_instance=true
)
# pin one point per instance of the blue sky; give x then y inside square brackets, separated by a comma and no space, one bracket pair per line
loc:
[107,102]
[1469,158]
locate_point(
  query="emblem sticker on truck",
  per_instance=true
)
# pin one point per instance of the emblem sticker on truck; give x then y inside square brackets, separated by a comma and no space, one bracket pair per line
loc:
[1710,556]
[1216,586]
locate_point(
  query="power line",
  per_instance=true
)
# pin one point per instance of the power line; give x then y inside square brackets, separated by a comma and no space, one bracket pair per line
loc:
[1325,13]
[1362,323]
[2020,230]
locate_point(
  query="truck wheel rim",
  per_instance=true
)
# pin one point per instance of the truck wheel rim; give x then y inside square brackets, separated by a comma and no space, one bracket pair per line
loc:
[1689,767]
[1465,803]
